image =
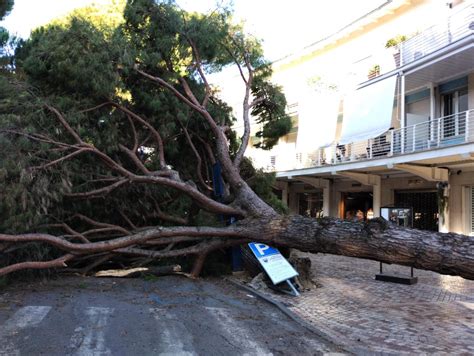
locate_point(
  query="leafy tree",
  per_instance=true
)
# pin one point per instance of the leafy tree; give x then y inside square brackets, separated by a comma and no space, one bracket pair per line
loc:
[114,146]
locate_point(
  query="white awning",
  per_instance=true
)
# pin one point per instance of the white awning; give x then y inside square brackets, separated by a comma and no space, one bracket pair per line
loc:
[368,111]
[317,120]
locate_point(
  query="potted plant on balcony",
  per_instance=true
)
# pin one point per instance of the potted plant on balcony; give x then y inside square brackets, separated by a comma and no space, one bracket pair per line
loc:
[374,71]
[394,44]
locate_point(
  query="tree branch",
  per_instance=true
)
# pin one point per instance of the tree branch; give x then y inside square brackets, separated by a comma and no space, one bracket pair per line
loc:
[98,192]
[126,241]
[58,262]
[134,159]
[198,157]
[65,124]
[59,160]
[101,224]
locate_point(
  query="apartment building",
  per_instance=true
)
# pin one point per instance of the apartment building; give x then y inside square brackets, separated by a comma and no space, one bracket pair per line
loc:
[383,114]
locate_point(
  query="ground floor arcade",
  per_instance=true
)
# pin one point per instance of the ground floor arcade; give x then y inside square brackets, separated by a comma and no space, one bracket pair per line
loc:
[439,190]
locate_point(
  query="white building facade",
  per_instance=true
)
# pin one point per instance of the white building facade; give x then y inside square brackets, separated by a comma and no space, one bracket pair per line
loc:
[377,126]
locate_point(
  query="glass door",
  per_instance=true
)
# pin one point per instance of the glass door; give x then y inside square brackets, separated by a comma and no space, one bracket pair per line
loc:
[453,108]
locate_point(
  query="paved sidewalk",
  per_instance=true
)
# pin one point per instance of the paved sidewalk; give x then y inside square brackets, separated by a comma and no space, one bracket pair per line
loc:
[435,316]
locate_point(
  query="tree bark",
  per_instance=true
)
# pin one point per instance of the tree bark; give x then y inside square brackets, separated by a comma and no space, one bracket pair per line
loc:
[376,240]
[446,253]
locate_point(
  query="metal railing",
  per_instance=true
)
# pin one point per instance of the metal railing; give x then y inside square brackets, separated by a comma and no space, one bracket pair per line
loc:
[440,132]
[456,27]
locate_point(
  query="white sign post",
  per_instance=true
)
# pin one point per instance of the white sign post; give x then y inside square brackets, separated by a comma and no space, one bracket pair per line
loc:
[274,264]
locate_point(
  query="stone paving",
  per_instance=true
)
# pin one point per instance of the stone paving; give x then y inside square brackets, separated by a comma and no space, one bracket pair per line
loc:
[435,316]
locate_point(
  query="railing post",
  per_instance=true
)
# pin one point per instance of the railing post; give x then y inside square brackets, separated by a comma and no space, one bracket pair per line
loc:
[439,131]
[392,141]
[402,139]
[401,53]
[466,138]
[414,138]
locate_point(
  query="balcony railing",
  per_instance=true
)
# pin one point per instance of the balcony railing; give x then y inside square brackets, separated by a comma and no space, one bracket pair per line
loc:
[442,132]
[456,27]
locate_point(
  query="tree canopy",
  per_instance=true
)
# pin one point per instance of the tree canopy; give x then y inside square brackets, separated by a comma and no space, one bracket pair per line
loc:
[112,92]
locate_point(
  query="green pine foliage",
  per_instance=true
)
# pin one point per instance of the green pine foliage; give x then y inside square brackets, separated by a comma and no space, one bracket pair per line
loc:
[88,59]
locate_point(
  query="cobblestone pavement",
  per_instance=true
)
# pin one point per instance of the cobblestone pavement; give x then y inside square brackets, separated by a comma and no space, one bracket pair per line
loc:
[435,316]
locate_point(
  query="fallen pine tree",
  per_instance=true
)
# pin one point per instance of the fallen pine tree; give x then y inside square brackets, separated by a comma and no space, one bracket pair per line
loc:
[117,147]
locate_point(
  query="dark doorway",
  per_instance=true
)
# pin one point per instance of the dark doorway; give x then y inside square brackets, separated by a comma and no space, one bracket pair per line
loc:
[425,208]
[311,204]
[357,205]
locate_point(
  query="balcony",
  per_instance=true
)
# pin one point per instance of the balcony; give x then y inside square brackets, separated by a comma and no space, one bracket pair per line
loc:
[447,131]
[453,30]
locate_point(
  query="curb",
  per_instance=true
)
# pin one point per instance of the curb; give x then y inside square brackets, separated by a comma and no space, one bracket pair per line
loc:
[307,325]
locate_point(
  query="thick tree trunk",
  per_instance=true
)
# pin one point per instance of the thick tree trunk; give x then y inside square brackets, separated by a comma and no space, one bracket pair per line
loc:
[376,240]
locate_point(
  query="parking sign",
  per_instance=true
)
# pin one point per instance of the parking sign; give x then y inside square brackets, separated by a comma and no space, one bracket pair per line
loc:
[274,264]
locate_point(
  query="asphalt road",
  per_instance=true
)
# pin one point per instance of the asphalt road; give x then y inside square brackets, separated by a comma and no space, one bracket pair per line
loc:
[166,316]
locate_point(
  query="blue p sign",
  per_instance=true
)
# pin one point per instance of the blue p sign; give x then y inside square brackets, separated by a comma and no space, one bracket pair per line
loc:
[261,250]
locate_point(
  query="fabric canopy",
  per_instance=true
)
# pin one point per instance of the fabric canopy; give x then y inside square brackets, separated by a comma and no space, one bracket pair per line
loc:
[368,111]
[317,120]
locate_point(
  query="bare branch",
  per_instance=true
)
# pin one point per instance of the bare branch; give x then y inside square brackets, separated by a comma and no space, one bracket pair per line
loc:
[208,149]
[200,71]
[158,213]
[129,222]
[198,157]
[58,262]
[101,224]
[63,122]
[126,241]
[171,88]
[144,122]
[246,116]
[237,63]
[98,192]
[59,160]
[40,138]
[134,134]
[70,230]
[134,159]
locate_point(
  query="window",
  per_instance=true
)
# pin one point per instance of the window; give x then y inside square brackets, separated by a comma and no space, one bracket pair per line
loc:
[454,106]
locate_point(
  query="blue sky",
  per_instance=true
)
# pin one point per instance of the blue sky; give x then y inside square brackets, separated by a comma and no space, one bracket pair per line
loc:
[285,26]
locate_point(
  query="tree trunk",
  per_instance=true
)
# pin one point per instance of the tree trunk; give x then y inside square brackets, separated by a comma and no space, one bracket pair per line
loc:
[376,240]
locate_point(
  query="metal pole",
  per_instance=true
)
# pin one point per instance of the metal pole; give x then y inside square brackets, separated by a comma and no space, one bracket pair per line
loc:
[402,111]
[296,293]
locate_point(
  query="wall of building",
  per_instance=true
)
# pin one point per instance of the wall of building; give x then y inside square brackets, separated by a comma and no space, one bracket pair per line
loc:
[458,209]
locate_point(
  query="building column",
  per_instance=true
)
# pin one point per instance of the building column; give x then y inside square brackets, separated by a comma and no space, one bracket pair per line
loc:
[293,203]
[327,200]
[432,112]
[377,198]
[402,112]
[443,221]
[284,193]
